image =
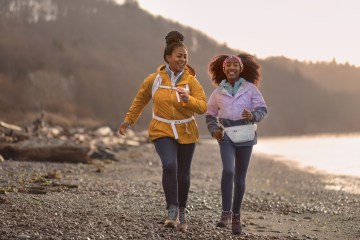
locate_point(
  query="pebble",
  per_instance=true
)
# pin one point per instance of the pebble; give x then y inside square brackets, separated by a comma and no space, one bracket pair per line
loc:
[23,236]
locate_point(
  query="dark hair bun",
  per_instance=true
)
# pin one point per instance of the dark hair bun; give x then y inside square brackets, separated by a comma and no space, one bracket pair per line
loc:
[174,36]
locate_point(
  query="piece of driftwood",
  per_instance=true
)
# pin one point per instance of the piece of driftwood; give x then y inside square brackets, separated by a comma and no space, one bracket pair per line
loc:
[10,126]
[12,132]
[57,153]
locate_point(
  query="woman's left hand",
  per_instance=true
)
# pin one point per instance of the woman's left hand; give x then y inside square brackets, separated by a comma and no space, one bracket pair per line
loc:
[247,115]
[183,94]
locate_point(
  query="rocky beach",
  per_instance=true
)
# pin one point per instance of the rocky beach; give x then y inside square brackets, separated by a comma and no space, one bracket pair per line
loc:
[122,198]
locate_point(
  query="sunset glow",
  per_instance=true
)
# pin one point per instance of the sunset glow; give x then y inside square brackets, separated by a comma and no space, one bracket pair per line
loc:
[307,30]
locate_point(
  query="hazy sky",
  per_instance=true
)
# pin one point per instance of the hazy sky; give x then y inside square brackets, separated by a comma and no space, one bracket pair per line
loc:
[304,29]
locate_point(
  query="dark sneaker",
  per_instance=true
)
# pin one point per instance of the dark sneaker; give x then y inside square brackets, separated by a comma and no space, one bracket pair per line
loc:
[236,224]
[182,220]
[225,219]
[172,217]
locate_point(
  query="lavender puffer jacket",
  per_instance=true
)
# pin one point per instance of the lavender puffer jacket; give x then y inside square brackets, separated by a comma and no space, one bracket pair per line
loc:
[226,109]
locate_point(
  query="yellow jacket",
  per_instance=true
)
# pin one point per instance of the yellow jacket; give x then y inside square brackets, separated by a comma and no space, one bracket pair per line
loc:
[166,105]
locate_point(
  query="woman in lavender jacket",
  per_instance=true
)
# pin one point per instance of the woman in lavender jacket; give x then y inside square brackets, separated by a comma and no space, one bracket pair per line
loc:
[236,101]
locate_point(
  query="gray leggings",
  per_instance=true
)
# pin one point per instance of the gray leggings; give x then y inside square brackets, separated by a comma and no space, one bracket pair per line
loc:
[176,162]
[235,162]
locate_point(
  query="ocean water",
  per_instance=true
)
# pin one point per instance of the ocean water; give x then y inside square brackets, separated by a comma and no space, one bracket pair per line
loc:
[335,154]
[336,157]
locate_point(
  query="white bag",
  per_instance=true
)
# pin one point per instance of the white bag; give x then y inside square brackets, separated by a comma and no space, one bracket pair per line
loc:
[242,133]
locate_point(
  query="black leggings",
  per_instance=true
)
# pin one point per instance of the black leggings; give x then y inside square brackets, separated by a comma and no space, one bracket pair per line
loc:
[235,162]
[176,163]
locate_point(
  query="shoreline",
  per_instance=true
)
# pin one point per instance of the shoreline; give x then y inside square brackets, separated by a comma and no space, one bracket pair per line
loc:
[323,154]
[320,150]
[336,181]
[123,199]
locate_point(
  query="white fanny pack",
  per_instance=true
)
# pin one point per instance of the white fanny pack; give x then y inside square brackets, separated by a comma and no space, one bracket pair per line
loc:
[242,133]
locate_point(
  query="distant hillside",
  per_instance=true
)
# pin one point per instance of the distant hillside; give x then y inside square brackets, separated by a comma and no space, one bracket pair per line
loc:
[298,105]
[82,61]
[329,75]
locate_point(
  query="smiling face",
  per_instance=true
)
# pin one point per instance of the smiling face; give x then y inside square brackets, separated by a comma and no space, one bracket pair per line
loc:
[232,70]
[178,59]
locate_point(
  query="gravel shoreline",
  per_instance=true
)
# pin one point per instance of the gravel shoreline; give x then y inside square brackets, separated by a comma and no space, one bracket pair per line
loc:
[123,199]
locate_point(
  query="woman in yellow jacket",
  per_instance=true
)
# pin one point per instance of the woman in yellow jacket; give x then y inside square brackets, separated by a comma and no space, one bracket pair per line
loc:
[177,96]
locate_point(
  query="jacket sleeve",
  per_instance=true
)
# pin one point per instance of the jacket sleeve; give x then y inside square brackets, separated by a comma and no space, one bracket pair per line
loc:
[212,114]
[197,98]
[260,108]
[141,99]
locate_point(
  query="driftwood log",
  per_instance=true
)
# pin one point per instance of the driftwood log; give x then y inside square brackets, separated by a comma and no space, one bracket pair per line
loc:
[42,142]
[63,153]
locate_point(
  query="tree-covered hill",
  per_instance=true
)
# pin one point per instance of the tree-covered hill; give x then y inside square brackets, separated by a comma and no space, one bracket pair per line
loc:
[82,61]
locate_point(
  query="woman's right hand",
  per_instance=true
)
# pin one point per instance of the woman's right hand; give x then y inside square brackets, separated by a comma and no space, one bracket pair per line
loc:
[218,134]
[123,127]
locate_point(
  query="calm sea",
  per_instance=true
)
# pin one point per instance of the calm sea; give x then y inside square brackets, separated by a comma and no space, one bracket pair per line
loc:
[336,154]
